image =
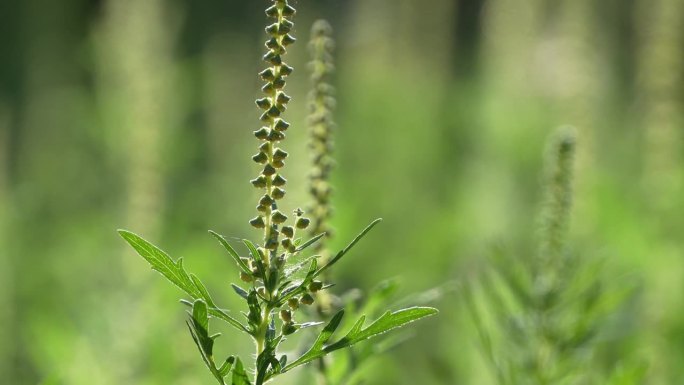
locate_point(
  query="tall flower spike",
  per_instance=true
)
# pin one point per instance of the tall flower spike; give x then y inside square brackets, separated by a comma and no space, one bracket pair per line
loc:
[274,103]
[556,214]
[321,104]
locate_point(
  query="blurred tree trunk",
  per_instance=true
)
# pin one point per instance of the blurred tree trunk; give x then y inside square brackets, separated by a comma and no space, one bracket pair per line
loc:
[660,58]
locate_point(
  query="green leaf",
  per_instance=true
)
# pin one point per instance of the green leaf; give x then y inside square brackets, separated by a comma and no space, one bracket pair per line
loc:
[200,315]
[162,262]
[310,242]
[256,257]
[240,291]
[239,375]
[344,251]
[203,290]
[241,264]
[387,322]
[220,314]
[199,330]
[317,347]
[227,365]
[176,274]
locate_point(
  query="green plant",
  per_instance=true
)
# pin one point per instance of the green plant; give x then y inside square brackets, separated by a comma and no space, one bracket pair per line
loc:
[539,319]
[280,278]
[343,368]
[321,126]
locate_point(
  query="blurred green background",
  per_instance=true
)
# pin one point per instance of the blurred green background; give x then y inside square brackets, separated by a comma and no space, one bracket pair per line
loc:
[139,114]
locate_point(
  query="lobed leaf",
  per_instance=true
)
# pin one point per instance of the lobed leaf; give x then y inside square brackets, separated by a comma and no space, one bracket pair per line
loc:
[162,262]
[387,322]
[175,273]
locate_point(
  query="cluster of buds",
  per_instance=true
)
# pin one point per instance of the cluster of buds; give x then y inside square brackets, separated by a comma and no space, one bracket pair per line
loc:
[321,105]
[272,133]
[286,315]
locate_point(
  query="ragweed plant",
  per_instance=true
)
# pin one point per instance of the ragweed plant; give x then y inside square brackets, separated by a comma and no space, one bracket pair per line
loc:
[539,319]
[343,368]
[280,279]
[321,126]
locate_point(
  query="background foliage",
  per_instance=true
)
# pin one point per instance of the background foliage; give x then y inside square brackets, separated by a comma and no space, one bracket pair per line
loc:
[139,113]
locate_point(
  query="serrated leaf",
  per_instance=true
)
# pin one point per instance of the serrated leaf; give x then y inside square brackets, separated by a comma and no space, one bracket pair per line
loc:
[344,251]
[175,273]
[317,346]
[222,240]
[239,375]
[387,322]
[162,262]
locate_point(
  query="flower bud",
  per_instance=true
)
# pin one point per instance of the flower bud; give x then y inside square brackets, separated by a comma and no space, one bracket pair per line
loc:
[278,163]
[258,222]
[263,103]
[287,243]
[269,170]
[288,11]
[273,58]
[261,291]
[285,27]
[272,11]
[288,328]
[272,29]
[278,193]
[279,154]
[282,98]
[288,39]
[279,181]
[275,136]
[302,223]
[287,231]
[315,286]
[286,315]
[279,83]
[307,299]
[285,70]
[262,133]
[281,125]
[268,88]
[273,44]
[259,182]
[268,75]
[246,277]
[266,118]
[266,200]
[293,303]
[260,158]
[278,217]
